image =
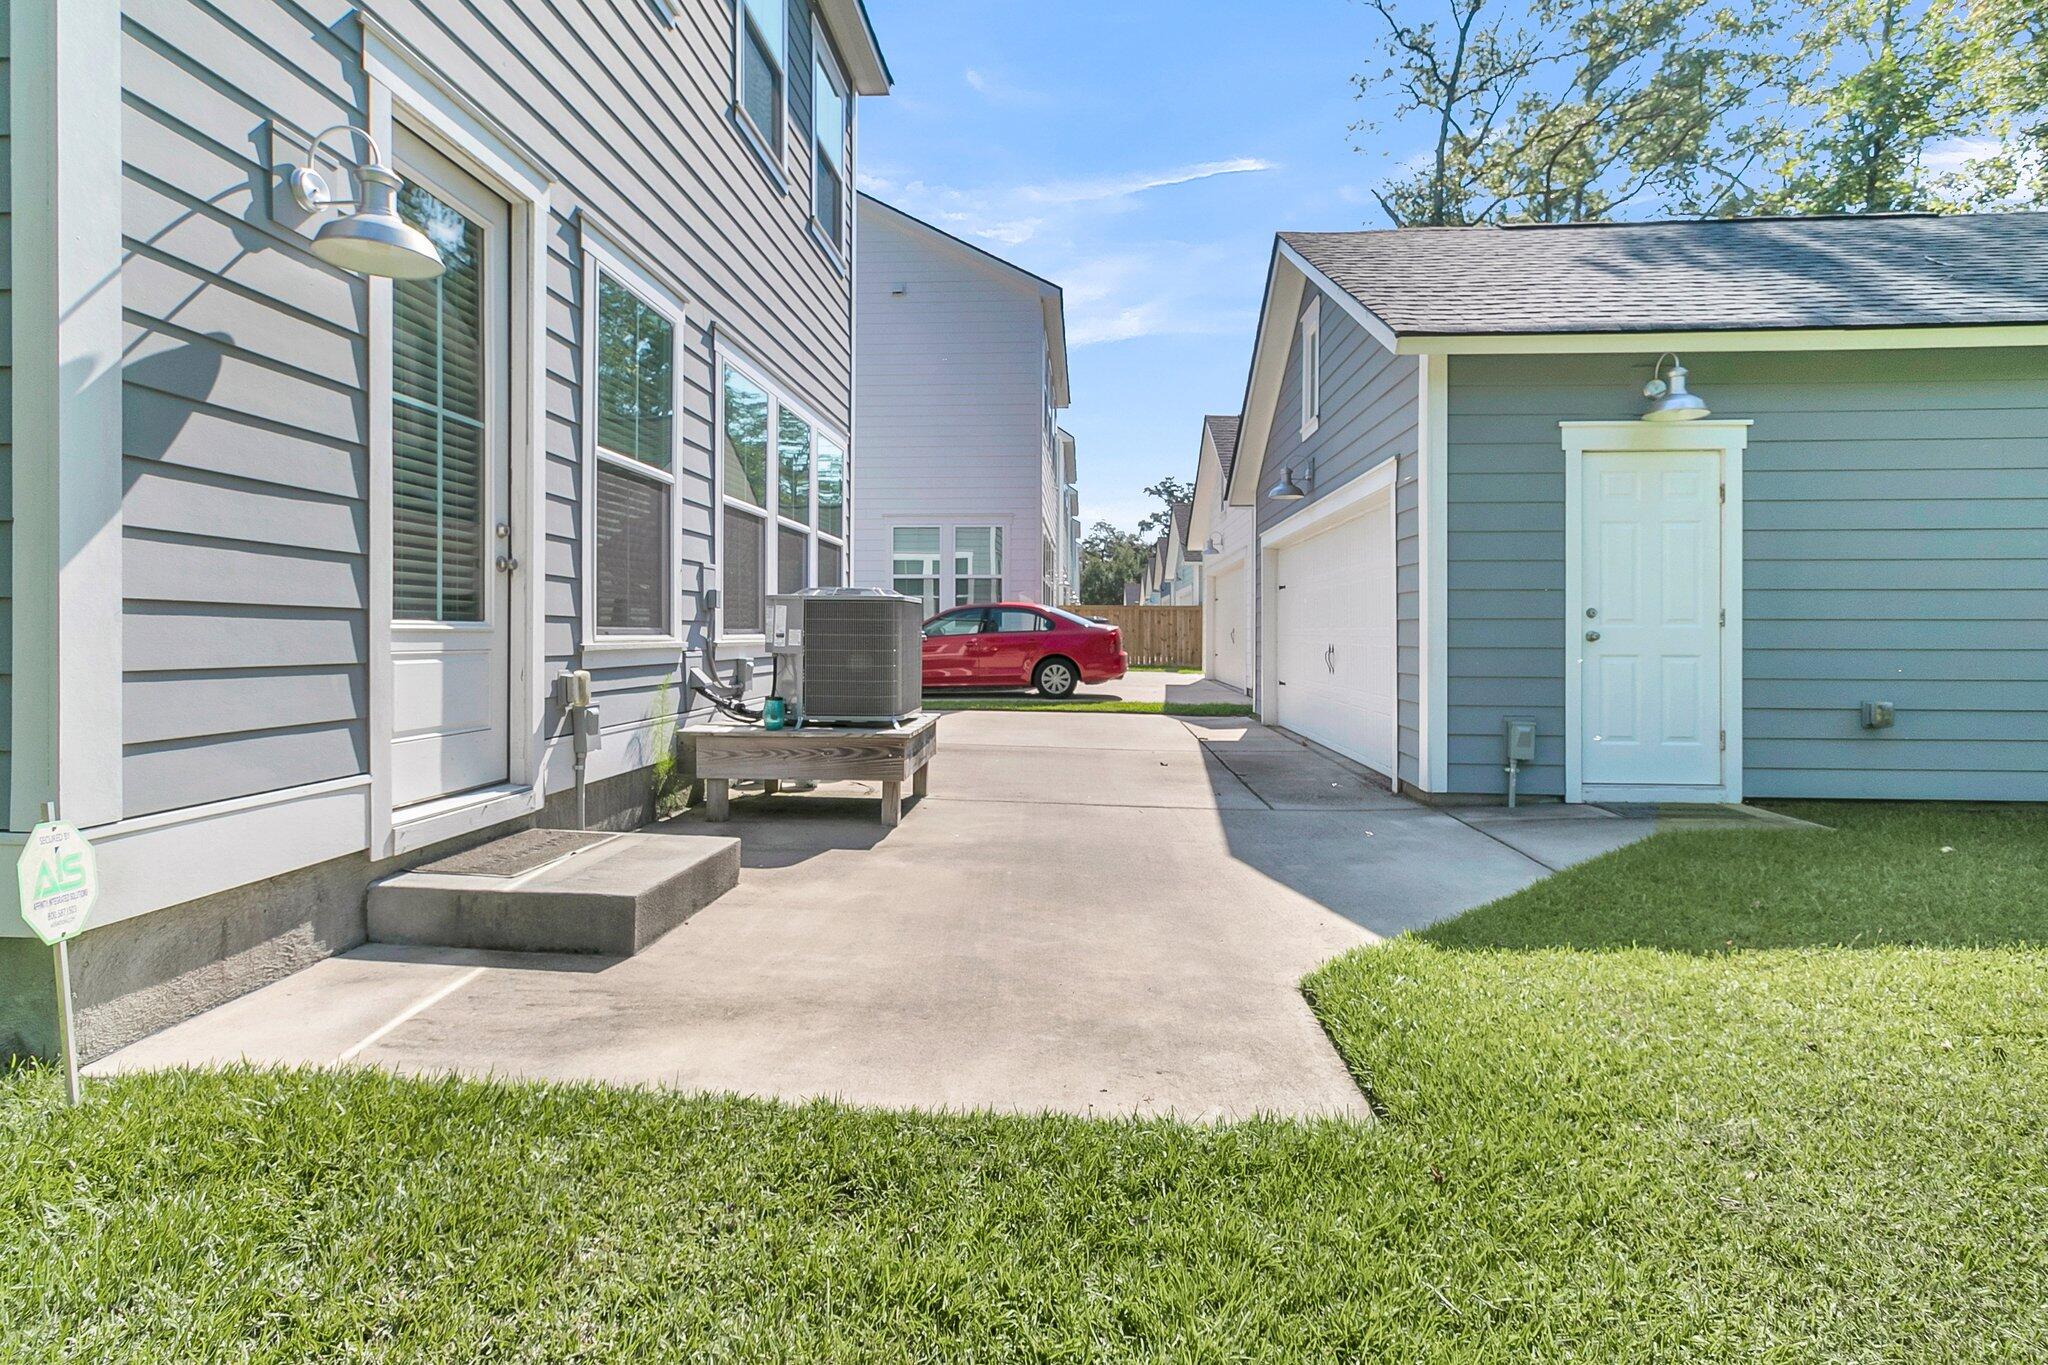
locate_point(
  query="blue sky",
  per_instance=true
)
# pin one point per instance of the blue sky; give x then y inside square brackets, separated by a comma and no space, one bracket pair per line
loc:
[1141,153]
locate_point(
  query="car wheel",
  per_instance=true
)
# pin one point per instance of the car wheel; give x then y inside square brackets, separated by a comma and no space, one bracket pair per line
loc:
[1055,678]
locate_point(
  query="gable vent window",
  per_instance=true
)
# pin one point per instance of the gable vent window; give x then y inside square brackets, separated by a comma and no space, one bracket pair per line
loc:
[1312,369]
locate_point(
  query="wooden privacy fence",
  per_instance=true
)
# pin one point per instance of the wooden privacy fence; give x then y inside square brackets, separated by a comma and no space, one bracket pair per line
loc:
[1161,637]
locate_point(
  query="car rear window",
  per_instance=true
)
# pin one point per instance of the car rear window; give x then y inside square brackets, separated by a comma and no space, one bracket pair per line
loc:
[1071,619]
[1012,621]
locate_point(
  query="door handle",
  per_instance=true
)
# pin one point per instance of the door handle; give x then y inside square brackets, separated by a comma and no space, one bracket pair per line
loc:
[507,564]
[1592,635]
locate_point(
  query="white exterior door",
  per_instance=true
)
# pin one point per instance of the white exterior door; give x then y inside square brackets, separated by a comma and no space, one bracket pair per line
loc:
[1228,625]
[1650,629]
[451,490]
[1333,608]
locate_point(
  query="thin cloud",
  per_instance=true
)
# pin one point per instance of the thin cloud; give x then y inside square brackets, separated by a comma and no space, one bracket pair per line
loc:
[1113,188]
[996,90]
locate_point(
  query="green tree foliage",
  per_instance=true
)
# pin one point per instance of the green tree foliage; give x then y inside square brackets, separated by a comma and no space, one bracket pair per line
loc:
[1169,491]
[1589,109]
[1110,558]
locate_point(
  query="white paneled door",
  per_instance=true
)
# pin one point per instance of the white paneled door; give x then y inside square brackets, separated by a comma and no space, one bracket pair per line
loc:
[1228,626]
[1650,681]
[1333,621]
[451,495]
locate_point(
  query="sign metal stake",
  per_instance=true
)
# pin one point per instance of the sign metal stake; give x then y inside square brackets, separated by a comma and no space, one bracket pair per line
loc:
[58,883]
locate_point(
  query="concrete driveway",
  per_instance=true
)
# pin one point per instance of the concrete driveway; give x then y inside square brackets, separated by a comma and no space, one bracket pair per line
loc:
[1089,913]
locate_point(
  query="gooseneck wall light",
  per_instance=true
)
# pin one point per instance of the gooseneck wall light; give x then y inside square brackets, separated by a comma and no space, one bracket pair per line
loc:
[1670,401]
[368,237]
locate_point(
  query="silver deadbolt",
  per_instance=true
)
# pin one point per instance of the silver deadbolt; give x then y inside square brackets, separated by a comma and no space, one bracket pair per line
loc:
[1592,635]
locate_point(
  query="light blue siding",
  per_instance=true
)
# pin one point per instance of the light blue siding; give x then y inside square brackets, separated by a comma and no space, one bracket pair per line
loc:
[1370,405]
[1896,549]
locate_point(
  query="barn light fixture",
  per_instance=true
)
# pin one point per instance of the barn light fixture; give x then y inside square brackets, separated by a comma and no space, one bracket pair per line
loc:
[368,237]
[1669,399]
[1286,489]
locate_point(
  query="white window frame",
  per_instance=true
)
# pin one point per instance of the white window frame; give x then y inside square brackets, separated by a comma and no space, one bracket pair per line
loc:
[774,521]
[1311,368]
[603,256]
[836,240]
[769,146]
[935,562]
[1001,574]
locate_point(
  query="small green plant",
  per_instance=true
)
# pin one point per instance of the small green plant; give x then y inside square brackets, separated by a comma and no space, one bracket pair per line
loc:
[670,790]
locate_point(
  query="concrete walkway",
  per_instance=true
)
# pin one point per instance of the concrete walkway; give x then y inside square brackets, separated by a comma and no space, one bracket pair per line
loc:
[1089,913]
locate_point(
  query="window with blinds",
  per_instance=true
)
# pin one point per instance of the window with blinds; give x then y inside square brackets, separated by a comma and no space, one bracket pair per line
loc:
[831,565]
[633,482]
[782,513]
[792,568]
[745,542]
[437,423]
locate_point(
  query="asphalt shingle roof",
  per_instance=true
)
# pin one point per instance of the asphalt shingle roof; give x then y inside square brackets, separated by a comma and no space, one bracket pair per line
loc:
[1756,274]
[1223,431]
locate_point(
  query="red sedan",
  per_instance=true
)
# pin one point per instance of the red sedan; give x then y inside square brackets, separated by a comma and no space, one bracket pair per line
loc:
[1019,644]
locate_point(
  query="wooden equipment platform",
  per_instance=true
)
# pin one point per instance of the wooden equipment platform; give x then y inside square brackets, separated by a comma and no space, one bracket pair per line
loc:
[902,753]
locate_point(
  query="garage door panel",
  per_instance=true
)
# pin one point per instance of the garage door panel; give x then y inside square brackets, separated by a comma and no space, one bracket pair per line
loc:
[1228,628]
[1334,637]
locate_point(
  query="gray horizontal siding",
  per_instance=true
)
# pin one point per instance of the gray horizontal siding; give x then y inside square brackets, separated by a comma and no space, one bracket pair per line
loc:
[245,408]
[1896,548]
[1370,410]
[6,416]
[245,526]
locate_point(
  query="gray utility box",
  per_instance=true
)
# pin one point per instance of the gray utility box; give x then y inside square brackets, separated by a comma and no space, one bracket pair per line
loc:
[848,656]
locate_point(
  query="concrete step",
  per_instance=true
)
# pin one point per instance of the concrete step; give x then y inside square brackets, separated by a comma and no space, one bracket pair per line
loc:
[553,891]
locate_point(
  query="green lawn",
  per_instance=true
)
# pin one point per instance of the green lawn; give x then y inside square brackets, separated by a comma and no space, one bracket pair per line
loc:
[1730,1096]
[1103,705]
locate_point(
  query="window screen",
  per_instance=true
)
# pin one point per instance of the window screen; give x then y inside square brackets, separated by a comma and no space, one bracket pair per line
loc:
[745,542]
[831,565]
[437,423]
[631,537]
[761,34]
[792,572]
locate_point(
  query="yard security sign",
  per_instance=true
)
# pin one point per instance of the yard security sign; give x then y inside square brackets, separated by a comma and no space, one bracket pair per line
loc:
[59,881]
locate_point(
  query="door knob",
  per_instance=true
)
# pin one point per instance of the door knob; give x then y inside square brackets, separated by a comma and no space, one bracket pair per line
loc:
[1592,635]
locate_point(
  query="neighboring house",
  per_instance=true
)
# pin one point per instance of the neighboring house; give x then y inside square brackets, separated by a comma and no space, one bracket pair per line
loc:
[1180,572]
[1067,576]
[1133,593]
[963,368]
[1222,533]
[297,556]
[1464,518]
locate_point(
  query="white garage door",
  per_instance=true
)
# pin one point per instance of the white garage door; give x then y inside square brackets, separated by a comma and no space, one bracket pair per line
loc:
[1333,608]
[1228,625]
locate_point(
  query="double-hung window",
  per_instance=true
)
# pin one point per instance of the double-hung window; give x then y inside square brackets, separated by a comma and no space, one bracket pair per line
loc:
[977,564]
[1312,368]
[759,61]
[630,593]
[782,500]
[914,566]
[830,135]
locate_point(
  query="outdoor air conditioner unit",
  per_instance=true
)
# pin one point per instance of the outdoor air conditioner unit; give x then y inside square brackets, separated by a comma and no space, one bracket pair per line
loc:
[848,656]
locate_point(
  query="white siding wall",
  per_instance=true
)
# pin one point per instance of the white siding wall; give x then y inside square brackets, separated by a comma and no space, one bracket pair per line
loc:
[950,400]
